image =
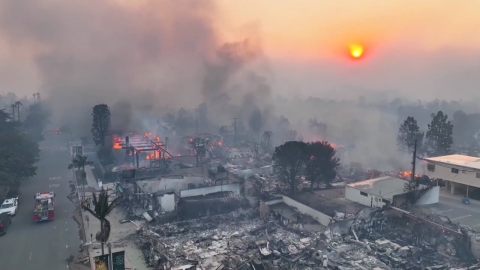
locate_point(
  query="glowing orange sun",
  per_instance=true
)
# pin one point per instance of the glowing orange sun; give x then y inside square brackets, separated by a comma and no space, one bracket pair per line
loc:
[356,51]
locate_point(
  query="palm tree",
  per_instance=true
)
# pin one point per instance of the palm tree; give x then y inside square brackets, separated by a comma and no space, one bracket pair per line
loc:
[79,162]
[102,209]
[18,104]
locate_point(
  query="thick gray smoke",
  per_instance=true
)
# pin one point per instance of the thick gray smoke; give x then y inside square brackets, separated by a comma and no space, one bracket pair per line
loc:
[90,52]
[142,59]
[148,58]
[367,132]
[233,85]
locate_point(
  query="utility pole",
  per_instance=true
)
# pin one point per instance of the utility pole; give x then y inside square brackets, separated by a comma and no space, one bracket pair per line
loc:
[235,130]
[196,121]
[34,96]
[414,159]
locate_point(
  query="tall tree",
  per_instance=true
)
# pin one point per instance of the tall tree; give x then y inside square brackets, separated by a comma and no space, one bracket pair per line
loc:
[102,208]
[256,122]
[18,153]
[17,105]
[289,159]
[101,123]
[322,163]
[200,148]
[439,135]
[407,134]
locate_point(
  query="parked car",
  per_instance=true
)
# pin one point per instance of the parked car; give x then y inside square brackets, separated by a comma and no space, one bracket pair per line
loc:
[9,206]
[5,221]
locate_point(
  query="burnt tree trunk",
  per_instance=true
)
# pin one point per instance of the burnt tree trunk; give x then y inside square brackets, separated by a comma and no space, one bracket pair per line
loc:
[104,233]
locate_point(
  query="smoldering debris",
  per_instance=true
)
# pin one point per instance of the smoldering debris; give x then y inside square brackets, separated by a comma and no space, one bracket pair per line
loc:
[374,239]
[233,241]
[403,240]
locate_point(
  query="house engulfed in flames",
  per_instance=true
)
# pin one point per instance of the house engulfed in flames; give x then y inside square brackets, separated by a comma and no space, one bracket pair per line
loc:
[139,142]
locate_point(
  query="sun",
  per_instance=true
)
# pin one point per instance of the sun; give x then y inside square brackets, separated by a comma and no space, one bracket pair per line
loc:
[356,51]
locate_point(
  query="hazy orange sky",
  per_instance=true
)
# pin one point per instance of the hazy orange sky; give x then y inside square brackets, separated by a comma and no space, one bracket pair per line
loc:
[324,28]
[423,49]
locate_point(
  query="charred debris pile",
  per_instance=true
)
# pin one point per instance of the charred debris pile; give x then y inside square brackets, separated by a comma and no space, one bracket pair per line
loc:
[386,239]
[398,239]
[239,240]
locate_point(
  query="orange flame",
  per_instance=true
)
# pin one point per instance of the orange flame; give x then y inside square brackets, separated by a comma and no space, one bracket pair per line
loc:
[116,143]
[406,174]
[153,155]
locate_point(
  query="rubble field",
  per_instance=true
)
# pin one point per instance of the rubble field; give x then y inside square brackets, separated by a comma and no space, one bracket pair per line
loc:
[373,239]
[233,241]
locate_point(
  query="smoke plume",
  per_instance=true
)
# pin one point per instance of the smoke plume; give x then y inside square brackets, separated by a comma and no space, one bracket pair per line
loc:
[90,52]
[146,58]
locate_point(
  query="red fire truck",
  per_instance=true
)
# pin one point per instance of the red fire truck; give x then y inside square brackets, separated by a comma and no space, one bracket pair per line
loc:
[44,206]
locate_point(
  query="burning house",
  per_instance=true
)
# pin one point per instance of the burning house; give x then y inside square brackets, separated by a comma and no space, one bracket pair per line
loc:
[142,151]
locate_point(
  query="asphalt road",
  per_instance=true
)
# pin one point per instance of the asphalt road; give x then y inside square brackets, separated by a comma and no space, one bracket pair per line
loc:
[457,212]
[47,245]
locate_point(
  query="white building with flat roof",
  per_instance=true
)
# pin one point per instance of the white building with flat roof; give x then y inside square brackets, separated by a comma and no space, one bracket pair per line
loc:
[386,190]
[460,173]
[375,192]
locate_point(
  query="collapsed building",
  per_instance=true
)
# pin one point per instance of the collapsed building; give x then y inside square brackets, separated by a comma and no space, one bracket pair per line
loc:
[239,240]
[405,240]
[375,238]
[318,230]
[242,224]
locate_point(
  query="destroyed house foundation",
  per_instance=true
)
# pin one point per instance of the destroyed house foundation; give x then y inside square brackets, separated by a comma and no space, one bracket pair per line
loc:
[212,204]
